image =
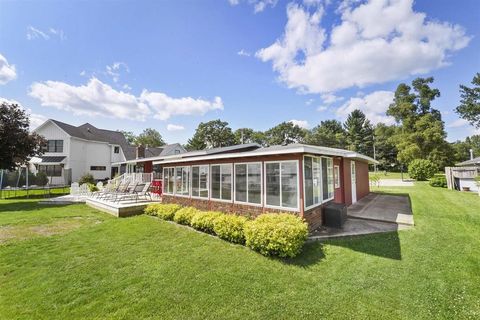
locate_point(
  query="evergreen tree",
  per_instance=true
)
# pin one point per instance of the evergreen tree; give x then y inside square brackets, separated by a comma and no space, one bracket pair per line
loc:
[285,133]
[469,108]
[359,133]
[329,133]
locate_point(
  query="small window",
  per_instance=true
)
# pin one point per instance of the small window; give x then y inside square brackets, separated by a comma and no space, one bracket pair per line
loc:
[54,146]
[98,168]
[116,149]
[336,173]
[221,182]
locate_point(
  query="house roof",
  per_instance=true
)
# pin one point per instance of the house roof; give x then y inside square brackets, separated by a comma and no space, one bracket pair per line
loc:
[47,159]
[472,162]
[256,150]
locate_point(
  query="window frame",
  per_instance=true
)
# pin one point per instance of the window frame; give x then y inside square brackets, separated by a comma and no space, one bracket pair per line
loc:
[116,149]
[165,184]
[46,166]
[55,147]
[261,184]
[211,181]
[320,183]
[333,180]
[105,168]
[208,182]
[297,208]
[189,179]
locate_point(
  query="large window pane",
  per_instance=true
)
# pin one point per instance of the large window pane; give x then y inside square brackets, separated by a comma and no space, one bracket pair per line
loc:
[203,181]
[226,173]
[216,182]
[330,177]
[241,182]
[308,182]
[273,183]
[168,180]
[178,180]
[255,183]
[317,181]
[195,181]
[324,178]
[289,184]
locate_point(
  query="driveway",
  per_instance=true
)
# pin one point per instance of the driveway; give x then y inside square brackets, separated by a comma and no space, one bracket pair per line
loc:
[384,208]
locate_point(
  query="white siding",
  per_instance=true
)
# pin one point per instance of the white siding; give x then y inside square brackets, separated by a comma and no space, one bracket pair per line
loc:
[464,182]
[98,154]
[51,132]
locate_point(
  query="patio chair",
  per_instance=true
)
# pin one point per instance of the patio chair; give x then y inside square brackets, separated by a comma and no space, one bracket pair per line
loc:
[130,193]
[84,190]
[144,193]
[110,187]
[100,185]
[122,188]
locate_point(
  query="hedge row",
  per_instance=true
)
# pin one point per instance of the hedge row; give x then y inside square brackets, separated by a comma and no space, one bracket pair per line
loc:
[280,234]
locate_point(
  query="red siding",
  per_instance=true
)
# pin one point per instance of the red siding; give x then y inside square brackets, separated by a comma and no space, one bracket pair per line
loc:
[147,167]
[347,182]
[363,186]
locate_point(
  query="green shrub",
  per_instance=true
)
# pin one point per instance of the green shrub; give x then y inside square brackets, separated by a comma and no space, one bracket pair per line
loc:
[438,182]
[41,179]
[230,227]
[422,169]
[276,234]
[163,211]
[92,187]
[184,215]
[204,220]
[86,178]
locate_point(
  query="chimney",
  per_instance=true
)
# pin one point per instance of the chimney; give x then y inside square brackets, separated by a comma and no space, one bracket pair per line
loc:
[471,154]
[140,152]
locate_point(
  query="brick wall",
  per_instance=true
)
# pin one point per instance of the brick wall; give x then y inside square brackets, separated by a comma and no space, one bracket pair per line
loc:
[314,217]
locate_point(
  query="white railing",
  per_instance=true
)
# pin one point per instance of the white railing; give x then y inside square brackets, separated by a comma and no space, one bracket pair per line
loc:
[134,177]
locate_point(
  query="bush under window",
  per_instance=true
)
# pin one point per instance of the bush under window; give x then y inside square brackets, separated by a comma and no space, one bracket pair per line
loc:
[163,211]
[204,221]
[184,215]
[276,234]
[230,227]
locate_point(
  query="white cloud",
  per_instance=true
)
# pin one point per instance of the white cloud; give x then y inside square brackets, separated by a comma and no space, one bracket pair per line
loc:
[244,53]
[309,101]
[7,71]
[322,108]
[35,118]
[301,123]
[174,127]
[99,99]
[375,42]
[329,98]
[164,106]
[116,69]
[35,33]
[374,105]
[93,99]
[458,123]
[258,5]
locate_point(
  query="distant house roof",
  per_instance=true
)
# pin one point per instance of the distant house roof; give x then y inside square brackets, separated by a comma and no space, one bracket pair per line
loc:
[472,162]
[47,159]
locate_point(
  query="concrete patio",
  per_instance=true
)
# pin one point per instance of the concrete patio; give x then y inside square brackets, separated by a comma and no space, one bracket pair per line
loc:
[383,208]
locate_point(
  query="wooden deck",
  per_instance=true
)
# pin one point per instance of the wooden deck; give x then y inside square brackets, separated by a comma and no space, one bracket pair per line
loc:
[119,209]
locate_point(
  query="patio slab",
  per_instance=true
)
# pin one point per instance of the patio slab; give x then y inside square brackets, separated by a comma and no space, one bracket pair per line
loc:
[383,208]
[355,227]
[67,199]
[395,183]
[119,209]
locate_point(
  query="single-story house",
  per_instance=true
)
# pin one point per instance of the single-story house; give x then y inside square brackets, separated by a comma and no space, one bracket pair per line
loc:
[249,179]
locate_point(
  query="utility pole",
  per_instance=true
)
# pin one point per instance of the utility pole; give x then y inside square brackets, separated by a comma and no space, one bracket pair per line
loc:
[374,155]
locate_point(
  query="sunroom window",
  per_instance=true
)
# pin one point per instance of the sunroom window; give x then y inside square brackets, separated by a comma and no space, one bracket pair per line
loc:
[168,180]
[182,181]
[282,184]
[313,181]
[327,178]
[248,183]
[200,181]
[221,181]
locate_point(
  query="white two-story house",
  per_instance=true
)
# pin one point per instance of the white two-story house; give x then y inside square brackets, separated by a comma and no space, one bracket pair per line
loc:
[74,151]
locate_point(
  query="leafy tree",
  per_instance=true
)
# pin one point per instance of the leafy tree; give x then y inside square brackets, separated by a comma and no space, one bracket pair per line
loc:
[359,133]
[469,108]
[129,135]
[421,134]
[462,148]
[212,134]
[149,137]
[247,135]
[329,133]
[17,144]
[285,133]
[385,150]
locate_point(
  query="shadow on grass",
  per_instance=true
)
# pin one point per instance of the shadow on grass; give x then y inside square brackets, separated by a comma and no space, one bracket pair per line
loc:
[11,207]
[385,245]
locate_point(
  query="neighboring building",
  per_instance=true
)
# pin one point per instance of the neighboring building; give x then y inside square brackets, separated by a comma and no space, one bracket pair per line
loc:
[462,177]
[74,151]
[248,179]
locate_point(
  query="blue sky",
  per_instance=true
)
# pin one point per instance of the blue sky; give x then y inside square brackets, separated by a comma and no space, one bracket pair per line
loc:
[171,64]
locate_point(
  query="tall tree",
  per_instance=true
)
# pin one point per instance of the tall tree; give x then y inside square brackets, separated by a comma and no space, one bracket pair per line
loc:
[129,135]
[385,150]
[328,133]
[247,135]
[149,137]
[359,133]
[285,133]
[17,144]
[212,134]
[469,108]
[421,133]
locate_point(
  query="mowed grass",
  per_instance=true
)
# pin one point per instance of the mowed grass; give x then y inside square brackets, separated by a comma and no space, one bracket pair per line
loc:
[390,175]
[145,268]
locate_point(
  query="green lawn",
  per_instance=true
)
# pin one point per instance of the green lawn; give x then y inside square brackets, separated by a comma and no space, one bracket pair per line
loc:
[390,175]
[145,268]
